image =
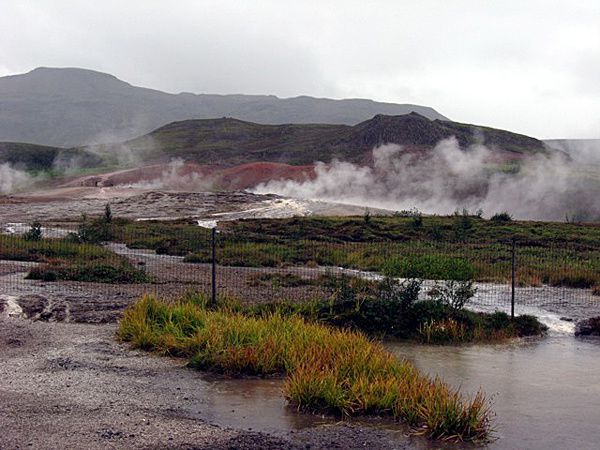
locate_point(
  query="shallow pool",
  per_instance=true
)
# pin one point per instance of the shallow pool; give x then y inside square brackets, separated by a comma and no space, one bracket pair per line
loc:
[545,393]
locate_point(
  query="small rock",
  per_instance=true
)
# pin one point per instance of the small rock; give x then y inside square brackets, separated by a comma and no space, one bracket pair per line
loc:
[588,327]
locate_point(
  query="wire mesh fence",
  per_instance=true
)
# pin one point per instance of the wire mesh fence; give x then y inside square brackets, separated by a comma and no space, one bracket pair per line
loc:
[168,261]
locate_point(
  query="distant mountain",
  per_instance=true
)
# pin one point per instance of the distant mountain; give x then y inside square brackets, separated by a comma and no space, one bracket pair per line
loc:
[231,141]
[71,107]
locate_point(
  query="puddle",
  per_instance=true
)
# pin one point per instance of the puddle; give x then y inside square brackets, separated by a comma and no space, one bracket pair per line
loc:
[545,392]
[250,404]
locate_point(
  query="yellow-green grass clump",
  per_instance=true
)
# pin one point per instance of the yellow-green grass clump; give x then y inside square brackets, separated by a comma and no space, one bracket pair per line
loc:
[327,369]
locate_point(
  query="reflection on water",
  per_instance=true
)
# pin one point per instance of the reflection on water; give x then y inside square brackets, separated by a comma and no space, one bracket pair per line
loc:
[256,404]
[546,393]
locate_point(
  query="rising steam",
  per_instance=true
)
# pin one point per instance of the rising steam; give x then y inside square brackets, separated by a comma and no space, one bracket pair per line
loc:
[13,180]
[177,176]
[549,186]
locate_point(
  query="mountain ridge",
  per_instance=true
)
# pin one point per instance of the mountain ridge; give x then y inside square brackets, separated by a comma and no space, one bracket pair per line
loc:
[67,107]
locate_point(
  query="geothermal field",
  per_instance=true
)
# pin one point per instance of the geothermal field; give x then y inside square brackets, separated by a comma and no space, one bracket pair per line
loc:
[297,266]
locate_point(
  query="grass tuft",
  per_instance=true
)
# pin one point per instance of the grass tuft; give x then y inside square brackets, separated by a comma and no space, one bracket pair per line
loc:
[327,369]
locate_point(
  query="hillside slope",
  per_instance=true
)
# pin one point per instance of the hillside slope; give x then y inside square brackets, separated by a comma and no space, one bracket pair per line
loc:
[231,141]
[40,157]
[71,107]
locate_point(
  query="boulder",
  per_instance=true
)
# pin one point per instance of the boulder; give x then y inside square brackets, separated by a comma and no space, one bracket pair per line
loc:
[588,327]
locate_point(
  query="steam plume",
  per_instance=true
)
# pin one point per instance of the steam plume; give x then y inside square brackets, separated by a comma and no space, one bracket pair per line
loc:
[546,186]
[176,177]
[12,180]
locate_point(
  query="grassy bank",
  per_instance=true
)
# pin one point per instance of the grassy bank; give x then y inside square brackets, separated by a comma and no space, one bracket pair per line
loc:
[326,369]
[392,308]
[64,260]
[455,247]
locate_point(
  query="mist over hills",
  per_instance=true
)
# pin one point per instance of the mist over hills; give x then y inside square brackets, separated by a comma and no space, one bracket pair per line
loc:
[67,107]
[397,161]
[230,142]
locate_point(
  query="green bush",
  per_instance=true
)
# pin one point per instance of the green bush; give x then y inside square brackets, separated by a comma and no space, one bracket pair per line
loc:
[502,217]
[452,293]
[431,267]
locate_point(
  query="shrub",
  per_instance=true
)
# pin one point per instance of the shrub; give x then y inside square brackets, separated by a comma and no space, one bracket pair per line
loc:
[373,307]
[435,232]
[526,325]
[503,217]
[455,294]
[107,213]
[34,233]
[463,225]
[367,216]
[92,231]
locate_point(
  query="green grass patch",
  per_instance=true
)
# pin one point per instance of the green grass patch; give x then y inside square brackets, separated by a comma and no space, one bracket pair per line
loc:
[456,247]
[326,369]
[437,267]
[64,260]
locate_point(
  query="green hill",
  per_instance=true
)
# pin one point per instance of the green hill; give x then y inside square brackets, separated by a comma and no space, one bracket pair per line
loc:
[32,157]
[229,141]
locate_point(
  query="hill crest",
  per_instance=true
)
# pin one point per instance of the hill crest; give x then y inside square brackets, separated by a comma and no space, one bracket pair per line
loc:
[68,107]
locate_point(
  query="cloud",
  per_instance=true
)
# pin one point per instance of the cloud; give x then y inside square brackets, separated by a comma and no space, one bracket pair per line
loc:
[177,177]
[474,61]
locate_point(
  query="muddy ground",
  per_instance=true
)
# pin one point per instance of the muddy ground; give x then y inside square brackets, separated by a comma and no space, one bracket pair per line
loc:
[69,385]
[65,381]
[70,203]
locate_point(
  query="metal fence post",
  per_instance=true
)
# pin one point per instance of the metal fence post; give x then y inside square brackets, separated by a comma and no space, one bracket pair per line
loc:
[214,266]
[513,277]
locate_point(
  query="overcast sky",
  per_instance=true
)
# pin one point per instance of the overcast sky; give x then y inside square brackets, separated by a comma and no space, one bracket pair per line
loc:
[528,66]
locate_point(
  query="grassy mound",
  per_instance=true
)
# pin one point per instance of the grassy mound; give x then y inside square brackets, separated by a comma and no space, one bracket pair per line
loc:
[327,369]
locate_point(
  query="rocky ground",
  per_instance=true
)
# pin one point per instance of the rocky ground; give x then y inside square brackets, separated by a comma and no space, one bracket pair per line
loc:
[59,204]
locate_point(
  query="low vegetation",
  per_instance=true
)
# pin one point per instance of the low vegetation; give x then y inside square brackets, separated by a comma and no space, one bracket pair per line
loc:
[392,308]
[62,259]
[337,371]
[406,245]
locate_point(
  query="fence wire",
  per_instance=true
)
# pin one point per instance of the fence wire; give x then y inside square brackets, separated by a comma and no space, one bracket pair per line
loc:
[268,268]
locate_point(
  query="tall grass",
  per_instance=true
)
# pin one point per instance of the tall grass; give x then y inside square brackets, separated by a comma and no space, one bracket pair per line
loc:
[339,371]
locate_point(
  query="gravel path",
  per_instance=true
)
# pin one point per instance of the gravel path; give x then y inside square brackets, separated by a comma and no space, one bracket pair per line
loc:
[72,386]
